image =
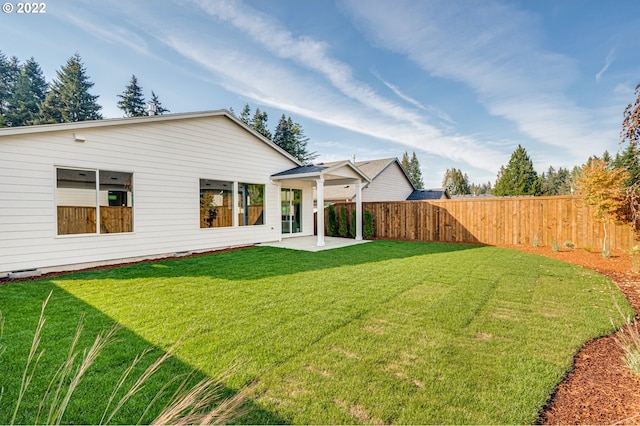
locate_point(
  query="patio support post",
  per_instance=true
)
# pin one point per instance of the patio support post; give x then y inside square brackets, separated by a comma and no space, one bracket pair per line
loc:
[320,210]
[358,211]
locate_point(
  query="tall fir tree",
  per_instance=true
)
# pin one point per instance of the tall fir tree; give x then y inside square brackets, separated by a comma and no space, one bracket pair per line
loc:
[245,115]
[629,160]
[157,105]
[69,99]
[28,94]
[412,168]
[259,123]
[290,137]
[518,177]
[132,100]
[283,135]
[9,75]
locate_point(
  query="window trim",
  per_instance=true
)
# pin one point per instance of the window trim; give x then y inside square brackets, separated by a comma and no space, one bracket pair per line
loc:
[97,206]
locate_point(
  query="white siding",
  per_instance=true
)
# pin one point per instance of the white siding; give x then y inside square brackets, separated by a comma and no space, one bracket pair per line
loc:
[390,185]
[167,159]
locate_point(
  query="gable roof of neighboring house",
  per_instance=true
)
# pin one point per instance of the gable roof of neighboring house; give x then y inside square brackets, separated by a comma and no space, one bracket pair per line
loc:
[78,126]
[372,168]
[429,194]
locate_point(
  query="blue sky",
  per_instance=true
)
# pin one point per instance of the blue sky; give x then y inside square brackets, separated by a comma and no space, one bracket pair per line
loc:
[461,83]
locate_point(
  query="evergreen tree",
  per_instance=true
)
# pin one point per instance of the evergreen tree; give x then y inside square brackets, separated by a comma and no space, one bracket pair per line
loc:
[283,135]
[456,182]
[259,123]
[131,100]
[416,174]
[518,177]
[483,188]
[412,168]
[9,75]
[69,99]
[290,137]
[157,106]
[556,182]
[29,92]
[629,160]
[245,115]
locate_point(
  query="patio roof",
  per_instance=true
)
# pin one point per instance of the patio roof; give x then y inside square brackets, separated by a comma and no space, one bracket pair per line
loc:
[333,174]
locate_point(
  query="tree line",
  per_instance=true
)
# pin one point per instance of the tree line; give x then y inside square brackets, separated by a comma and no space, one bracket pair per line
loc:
[26,98]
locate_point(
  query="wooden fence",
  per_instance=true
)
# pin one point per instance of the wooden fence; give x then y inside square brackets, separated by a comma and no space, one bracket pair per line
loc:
[496,221]
[82,220]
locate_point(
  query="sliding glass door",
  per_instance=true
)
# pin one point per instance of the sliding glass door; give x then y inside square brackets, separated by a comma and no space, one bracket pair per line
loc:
[291,211]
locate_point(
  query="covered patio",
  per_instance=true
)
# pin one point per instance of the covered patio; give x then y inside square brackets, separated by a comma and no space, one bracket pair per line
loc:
[343,173]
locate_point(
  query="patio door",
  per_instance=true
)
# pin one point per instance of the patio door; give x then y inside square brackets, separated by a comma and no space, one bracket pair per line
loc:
[291,210]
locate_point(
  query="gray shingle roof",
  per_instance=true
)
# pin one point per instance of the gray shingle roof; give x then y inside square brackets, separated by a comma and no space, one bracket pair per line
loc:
[428,194]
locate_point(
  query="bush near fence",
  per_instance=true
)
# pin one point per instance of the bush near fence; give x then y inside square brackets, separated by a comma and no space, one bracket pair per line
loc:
[497,221]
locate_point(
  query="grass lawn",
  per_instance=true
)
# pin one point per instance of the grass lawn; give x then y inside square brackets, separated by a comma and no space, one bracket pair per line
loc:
[384,332]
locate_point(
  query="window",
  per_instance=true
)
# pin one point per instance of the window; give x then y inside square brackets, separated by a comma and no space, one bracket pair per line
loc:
[216,203]
[92,200]
[250,204]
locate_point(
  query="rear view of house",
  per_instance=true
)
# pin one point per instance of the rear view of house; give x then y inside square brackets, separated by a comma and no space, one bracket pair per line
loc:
[104,191]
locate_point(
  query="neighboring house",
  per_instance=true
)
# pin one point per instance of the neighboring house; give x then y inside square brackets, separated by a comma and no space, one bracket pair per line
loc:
[105,191]
[429,194]
[388,182]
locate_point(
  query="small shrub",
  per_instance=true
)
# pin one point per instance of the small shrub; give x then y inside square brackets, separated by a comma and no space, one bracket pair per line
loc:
[352,229]
[536,243]
[606,253]
[569,244]
[367,227]
[332,222]
[342,228]
[587,249]
[555,246]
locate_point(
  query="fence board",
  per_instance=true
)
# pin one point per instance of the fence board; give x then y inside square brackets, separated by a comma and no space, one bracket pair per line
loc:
[496,221]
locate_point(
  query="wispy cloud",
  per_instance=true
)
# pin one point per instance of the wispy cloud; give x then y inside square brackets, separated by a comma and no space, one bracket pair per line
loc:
[107,31]
[281,86]
[412,101]
[276,85]
[607,63]
[493,48]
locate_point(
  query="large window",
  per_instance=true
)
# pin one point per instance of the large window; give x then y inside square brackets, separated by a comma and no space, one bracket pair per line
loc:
[92,201]
[250,204]
[216,203]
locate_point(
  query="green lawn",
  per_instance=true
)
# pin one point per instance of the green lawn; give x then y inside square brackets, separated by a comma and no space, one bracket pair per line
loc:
[383,332]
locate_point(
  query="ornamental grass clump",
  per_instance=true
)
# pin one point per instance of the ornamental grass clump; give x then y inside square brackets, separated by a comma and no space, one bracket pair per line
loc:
[198,404]
[629,340]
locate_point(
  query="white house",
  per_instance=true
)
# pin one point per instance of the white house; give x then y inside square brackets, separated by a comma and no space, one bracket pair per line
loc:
[388,181]
[96,192]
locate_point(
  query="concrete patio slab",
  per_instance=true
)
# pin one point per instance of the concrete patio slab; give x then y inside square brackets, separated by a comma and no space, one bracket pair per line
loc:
[308,243]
